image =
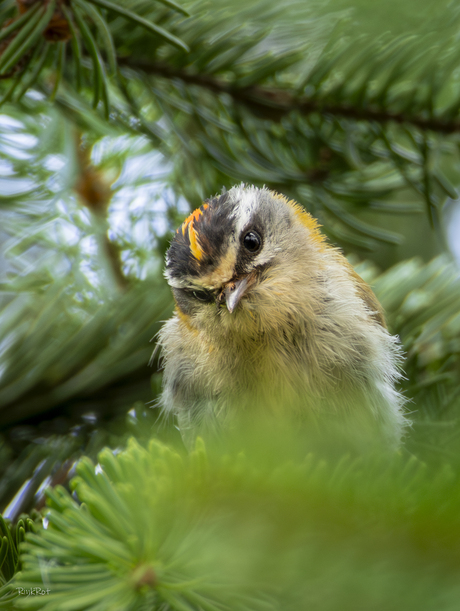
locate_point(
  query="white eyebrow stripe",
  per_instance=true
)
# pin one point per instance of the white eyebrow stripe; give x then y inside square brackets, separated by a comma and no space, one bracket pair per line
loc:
[246,205]
[247,201]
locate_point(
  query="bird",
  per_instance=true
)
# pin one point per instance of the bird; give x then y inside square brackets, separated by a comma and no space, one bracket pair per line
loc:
[272,319]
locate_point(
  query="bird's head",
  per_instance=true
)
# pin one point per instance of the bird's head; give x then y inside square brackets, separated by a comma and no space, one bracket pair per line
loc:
[244,258]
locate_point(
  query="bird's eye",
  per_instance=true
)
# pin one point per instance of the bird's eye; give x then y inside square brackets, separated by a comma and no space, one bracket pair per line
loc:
[252,241]
[203,295]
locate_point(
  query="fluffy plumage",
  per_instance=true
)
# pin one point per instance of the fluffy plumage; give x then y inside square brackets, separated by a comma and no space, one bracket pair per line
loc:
[269,316]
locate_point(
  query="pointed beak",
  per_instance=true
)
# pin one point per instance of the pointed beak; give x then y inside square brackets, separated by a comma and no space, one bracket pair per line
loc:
[236,289]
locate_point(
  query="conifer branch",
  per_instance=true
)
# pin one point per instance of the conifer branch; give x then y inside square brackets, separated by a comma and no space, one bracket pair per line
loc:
[274,104]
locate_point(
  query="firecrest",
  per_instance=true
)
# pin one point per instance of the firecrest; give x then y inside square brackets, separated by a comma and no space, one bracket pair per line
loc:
[269,317]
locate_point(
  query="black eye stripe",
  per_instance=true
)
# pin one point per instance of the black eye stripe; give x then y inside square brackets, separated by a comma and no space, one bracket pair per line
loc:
[205,296]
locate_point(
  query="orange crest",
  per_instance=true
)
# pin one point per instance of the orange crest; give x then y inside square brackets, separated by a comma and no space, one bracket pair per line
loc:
[195,246]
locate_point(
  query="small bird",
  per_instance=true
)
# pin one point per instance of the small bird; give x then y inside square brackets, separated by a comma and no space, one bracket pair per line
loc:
[270,317]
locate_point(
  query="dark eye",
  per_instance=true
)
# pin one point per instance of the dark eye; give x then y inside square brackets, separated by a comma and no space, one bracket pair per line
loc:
[252,241]
[203,295]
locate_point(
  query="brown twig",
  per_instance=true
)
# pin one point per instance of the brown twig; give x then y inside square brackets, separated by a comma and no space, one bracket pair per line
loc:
[95,193]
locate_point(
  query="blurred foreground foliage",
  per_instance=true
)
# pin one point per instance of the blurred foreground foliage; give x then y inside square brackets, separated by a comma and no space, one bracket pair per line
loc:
[116,119]
[271,528]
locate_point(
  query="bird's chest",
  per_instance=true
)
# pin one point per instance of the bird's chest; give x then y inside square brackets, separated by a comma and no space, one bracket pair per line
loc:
[250,374]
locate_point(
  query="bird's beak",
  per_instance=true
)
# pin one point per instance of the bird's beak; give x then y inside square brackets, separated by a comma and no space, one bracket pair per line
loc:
[236,289]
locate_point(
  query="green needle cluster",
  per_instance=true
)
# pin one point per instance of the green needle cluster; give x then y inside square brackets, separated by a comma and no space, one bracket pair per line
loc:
[84,23]
[151,528]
